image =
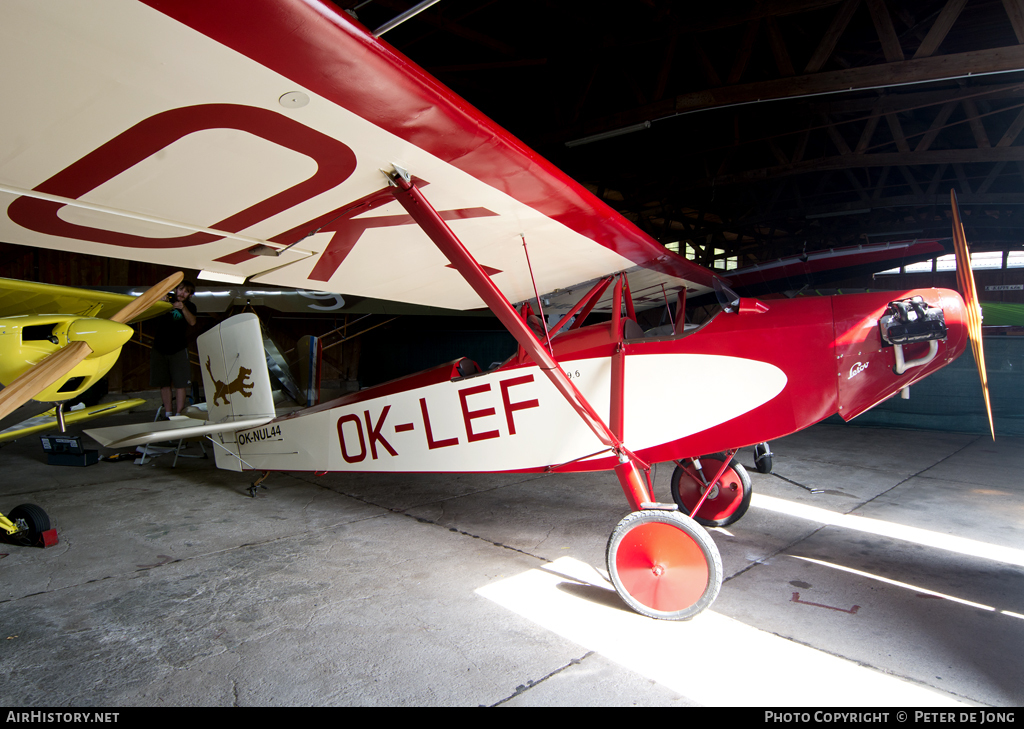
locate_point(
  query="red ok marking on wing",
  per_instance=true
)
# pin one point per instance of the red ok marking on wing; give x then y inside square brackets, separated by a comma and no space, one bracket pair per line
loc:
[347,231]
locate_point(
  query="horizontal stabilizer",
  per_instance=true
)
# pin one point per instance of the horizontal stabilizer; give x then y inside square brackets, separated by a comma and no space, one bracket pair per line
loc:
[120,436]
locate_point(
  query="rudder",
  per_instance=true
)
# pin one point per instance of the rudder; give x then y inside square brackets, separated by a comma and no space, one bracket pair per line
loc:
[235,379]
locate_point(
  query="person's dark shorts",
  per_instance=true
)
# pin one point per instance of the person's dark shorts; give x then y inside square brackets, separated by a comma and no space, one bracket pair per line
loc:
[169,370]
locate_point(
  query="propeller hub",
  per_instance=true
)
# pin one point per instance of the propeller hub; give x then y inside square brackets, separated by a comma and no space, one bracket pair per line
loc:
[102,335]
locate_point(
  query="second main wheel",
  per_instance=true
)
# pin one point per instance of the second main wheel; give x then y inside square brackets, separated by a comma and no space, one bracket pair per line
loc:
[664,565]
[728,500]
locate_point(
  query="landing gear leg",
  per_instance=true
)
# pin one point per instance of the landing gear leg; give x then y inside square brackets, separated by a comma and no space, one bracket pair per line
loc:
[258,483]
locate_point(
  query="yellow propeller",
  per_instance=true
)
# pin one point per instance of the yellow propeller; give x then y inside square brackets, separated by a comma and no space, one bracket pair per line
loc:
[61,362]
[965,281]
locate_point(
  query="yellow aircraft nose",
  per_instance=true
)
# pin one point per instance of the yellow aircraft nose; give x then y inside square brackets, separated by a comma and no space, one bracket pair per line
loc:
[102,335]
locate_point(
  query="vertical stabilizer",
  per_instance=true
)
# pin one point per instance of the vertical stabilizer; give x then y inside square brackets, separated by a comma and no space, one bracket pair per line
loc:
[235,380]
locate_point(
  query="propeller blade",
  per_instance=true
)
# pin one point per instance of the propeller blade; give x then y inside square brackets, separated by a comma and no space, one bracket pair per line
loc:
[154,294]
[37,379]
[965,281]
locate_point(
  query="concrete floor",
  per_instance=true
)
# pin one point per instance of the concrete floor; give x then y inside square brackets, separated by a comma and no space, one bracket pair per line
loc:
[900,584]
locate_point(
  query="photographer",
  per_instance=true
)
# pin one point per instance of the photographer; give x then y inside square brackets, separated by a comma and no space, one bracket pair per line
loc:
[168,361]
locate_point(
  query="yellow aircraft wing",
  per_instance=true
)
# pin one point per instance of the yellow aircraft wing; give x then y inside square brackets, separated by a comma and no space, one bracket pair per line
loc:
[48,420]
[18,298]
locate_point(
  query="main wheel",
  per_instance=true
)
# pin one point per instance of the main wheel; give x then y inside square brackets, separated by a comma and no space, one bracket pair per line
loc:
[664,565]
[35,519]
[728,500]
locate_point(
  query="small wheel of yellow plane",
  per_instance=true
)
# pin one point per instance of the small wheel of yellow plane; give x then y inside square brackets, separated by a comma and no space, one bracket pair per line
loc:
[27,525]
[281,142]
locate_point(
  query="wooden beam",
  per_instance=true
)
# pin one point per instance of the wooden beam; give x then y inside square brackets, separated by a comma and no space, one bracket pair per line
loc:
[1010,136]
[936,126]
[887,74]
[827,44]
[880,186]
[989,155]
[909,177]
[886,33]
[855,184]
[940,28]
[779,155]
[869,128]
[779,50]
[746,47]
[897,132]
[801,146]
[961,177]
[977,128]
[905,101]
[900,72]
[937,176]
[838,140]
[710,74]
[1015,11]
[994,173]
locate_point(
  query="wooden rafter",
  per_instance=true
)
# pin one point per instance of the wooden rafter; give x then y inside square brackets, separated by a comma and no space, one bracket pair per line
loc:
[940,28]
[828,41]
[989,155]
[886,32]
[994,60]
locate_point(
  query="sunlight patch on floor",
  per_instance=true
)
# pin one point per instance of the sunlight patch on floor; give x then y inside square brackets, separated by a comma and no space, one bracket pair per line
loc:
[711,659]
[924,537]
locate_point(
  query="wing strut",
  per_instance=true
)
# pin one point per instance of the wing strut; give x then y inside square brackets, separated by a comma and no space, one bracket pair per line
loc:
[412,199]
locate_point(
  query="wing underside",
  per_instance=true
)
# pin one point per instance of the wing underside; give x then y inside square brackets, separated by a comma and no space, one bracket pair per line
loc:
[193,134]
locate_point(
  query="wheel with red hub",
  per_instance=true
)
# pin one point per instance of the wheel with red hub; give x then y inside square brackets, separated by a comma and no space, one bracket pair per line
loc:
[664,565]
[729,498]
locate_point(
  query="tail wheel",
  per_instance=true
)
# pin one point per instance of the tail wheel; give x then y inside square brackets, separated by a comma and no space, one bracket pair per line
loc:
[729,498]
[763,458]
[35,519]
[664,565]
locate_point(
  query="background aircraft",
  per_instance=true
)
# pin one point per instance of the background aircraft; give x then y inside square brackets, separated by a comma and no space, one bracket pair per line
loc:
[56,342]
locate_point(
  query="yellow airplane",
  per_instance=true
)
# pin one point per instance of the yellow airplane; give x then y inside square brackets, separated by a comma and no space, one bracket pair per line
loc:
[51,355]
[55,343]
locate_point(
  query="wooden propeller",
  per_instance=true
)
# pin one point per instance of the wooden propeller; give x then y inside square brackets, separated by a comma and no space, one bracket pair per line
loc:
[61,362]
[150,297]
[965,281]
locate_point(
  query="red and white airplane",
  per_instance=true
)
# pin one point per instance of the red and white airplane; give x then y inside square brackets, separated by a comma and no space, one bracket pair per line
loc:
[280,142]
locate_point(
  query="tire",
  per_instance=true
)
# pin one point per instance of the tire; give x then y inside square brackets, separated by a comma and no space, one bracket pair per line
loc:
[762,458]
[35,519]
[723,507]
[664,565]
